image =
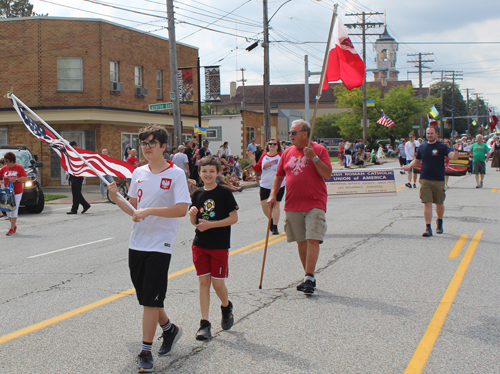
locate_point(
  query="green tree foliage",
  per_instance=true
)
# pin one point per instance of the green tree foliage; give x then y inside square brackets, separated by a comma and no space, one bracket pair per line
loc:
[17,8]
[206,108]
[327,126]
[227,110]
[459,106]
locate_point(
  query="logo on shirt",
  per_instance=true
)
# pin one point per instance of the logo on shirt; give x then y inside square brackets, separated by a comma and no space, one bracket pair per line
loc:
[208,208]
[139,181]
[296,164]
[165,183]
[434,152]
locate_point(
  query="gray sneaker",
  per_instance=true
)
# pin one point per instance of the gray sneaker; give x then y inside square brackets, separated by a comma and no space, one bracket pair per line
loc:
[204,332]
[169,340]
[145,362]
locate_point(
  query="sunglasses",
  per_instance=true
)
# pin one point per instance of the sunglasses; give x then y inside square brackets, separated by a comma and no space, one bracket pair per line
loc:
[295,132]
[272,143]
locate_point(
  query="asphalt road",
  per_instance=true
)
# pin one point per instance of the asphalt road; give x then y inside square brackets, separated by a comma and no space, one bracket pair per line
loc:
[385,294]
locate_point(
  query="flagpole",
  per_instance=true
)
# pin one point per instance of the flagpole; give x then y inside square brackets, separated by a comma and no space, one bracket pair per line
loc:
[12,96]
[322,79]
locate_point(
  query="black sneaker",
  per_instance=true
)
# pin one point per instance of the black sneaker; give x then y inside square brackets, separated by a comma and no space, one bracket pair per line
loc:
[309,286]
[227,316]
[204,332]
[274,230]
[414,185]
[145,362]
[439,228]
[169,340]
[427,232]
[408,185]
[300,287]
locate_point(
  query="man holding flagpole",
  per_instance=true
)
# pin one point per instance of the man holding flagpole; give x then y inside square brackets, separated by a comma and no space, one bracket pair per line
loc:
[306,197]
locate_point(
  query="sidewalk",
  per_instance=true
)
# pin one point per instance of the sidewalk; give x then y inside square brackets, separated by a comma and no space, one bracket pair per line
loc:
[92,193]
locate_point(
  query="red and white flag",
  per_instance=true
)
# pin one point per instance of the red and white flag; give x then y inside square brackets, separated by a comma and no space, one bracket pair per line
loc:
[493,120]
[69,159]
[344,62]
[385,121]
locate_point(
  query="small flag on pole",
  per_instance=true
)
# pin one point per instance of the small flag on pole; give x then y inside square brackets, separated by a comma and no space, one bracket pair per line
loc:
[344,62]
[434,113]
[384,120]
[200,130]
[474,123]
[370,102]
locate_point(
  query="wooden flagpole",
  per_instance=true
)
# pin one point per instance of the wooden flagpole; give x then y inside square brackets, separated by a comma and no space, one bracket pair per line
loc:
[265,247]
[10,95]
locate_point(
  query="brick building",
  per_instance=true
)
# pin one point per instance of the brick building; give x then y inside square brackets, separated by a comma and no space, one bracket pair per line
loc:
[91,80]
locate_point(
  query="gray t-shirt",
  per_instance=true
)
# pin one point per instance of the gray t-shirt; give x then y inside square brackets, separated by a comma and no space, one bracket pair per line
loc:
[179,160]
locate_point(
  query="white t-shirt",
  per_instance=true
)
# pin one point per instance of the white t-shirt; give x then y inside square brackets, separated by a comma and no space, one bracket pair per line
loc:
[410,151]
[224,151]
[180,159]
[269,165]
[167,188]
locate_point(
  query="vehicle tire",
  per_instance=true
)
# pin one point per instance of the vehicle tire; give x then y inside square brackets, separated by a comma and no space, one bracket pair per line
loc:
[39,207]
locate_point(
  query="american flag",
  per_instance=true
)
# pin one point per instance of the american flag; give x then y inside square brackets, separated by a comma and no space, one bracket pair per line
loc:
[69,159]
[384,120]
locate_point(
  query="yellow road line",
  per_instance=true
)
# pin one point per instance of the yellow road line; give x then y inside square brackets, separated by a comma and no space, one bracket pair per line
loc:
[86,308]
[263,245]
[425,346]
[494,189]
[455,251]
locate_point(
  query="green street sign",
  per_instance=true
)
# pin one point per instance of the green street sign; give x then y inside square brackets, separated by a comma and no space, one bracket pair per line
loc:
[160,106]
[172,95]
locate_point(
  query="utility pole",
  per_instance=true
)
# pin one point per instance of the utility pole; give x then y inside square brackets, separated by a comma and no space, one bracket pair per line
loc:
[243,80]
[174,87]
[468,119]
[455,75]
[363,26]
[420,65]
[267,78]
[441,107]
[306,87]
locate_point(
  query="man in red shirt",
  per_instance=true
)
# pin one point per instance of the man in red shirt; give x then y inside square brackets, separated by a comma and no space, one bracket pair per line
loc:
[305,168]
[15,174]
[132,159]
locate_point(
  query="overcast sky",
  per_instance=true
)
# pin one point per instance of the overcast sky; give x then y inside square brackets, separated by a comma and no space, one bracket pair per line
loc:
[300,27]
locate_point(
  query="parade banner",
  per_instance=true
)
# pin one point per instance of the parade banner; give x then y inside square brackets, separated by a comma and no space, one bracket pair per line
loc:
[361,183]
[212,83]
[185,83]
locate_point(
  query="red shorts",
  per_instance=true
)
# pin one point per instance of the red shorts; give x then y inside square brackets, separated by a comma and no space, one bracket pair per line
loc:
[210,261]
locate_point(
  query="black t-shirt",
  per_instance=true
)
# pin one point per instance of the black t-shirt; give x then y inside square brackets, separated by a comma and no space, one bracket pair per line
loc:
[203,152]
[189,153]
[214,205]
[258,155]
[432,156]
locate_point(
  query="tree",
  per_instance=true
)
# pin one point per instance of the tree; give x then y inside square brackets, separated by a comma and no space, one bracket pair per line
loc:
[227,110]
[17,8]
[206,108]
[327,126]
[459,106]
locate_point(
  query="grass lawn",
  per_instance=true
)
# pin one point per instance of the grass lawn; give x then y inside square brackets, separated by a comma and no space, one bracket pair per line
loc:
[334,159]
[49,197]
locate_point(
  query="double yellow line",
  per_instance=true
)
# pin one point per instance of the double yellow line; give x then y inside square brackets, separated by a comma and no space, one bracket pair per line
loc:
[51,321]
[424,348]
[494,189]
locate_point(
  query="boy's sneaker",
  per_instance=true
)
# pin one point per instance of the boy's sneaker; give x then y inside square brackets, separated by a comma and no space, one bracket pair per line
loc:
[300,287]
[145,362]
[169,339]
[439,228]
[274,230]
[204,332]
[309,286]
[408,185]
[227,316]
[414,185]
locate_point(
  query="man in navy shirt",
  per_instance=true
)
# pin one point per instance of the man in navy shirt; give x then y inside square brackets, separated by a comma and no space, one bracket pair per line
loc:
[432,186]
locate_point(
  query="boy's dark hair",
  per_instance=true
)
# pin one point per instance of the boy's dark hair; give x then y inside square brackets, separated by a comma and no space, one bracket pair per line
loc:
[209,160]
[9,157]
[158,132]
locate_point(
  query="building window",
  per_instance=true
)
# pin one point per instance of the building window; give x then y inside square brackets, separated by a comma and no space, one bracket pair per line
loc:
[138,76]
[69,74]
[130,140]
[212,133]
[159,94]
[113,71]
[250,134]
[3,137]
[186,137]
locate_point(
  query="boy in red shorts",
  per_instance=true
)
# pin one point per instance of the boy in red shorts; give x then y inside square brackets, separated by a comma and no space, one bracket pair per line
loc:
[212,212]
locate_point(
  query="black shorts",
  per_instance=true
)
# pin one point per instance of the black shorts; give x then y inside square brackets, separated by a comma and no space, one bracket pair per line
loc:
[265,192]
[149,273]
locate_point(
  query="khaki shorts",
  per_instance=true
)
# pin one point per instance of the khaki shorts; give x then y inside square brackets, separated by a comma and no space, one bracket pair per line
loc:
[302,226]
[432,191]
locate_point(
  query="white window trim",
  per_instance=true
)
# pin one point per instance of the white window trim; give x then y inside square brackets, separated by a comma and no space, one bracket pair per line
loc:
[138,69]
[117,66]
[81,74]
[159,90]
[4,131]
